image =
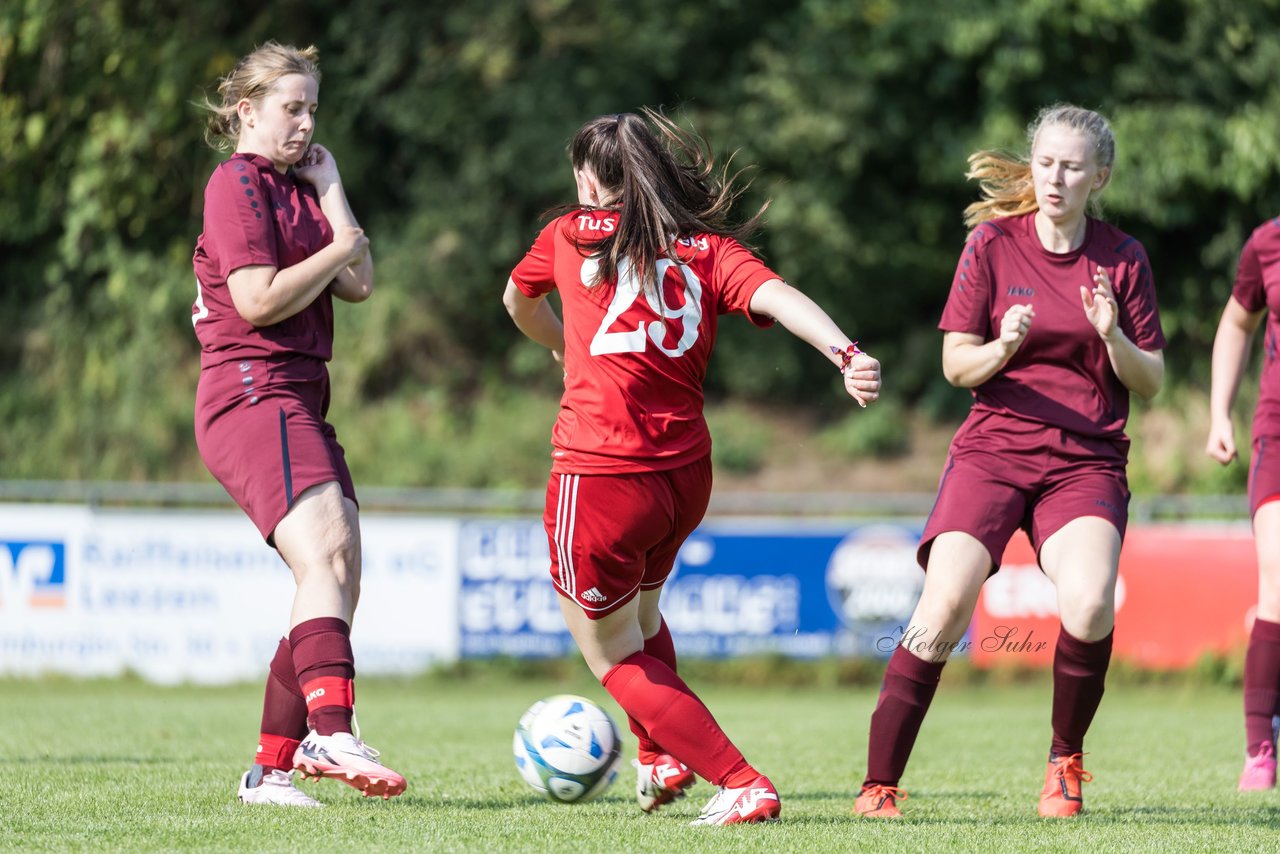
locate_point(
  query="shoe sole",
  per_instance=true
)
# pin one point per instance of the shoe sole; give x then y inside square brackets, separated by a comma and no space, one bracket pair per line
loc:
[1070,813]
[370,785]
[762,815]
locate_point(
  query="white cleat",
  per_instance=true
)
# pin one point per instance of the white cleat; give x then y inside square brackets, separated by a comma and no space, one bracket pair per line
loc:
[275,788]
[347,759]
[662,782]
[756,802]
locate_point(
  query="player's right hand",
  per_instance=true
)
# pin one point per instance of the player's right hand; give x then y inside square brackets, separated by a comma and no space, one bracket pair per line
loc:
[1222,441]
[1014,327]
[352,241]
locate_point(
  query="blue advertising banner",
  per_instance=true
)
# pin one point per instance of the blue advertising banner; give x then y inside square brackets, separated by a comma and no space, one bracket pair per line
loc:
[758,586]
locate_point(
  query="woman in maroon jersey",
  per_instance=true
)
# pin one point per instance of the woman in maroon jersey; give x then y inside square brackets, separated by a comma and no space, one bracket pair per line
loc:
[279,243]
[645,264]
[1052,322]
[1256,295]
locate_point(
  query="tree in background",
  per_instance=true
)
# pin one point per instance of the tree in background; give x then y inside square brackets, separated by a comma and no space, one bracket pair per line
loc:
[857,115]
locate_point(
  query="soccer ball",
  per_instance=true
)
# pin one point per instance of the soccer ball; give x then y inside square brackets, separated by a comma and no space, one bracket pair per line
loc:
[567,748]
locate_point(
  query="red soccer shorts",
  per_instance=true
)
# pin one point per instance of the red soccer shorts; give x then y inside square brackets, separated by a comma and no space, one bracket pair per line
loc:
[612,535]
[261,431]
[996,482]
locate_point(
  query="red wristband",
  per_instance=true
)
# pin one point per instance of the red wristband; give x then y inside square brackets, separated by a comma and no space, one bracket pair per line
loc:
[846,355]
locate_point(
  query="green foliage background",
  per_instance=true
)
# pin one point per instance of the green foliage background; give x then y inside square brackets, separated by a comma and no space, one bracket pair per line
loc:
[449,122]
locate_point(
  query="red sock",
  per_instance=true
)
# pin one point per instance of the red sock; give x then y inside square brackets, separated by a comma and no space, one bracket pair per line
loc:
[1079,677]
[284,713]
[1261,684]
[908,689]
[661,647]
[325,665]
[654,695]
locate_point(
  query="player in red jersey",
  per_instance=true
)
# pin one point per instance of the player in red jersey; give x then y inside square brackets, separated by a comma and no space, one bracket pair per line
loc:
[645,265]
[1256,294]
[1052,322]
[279,243]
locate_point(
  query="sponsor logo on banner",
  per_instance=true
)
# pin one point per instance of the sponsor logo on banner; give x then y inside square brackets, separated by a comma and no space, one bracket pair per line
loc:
[1020,591]
[507,604]
[33,574]
[873,584]
[730,600]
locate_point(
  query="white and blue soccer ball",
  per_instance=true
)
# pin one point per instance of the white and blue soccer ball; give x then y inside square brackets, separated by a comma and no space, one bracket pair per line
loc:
[567,748]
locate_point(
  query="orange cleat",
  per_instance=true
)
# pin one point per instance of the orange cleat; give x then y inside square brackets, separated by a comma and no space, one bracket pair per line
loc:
[1061,796]
[876,801]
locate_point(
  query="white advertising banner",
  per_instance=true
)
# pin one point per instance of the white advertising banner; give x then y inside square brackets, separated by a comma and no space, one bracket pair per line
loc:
[198,597]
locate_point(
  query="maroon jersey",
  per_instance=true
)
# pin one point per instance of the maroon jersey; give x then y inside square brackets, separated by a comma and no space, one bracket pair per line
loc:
[1257,287]
[1061,374]
[635,361]
[255,215]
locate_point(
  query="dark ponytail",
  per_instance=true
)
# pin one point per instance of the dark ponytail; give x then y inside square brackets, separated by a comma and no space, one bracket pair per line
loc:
[664,183]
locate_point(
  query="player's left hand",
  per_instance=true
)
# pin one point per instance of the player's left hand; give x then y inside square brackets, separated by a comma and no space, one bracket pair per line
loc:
[1100,305]
[317,167]
[862,379]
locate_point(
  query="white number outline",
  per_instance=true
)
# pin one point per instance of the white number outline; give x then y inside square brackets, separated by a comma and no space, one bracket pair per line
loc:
[624,296]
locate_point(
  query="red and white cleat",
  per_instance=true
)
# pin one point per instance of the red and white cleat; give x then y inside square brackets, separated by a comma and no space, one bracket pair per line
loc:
[662,782]
[345,758]
[756,802]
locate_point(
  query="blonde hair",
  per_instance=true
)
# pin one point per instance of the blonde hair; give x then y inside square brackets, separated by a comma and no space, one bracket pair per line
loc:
[253,77]
[1005,179]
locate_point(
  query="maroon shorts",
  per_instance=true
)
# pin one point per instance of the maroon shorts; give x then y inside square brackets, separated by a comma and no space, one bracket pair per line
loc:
[1033,477]
[1264,472]
[612,535]
[261,431]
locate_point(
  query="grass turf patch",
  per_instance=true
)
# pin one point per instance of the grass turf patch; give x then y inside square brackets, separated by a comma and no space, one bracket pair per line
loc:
[122,765]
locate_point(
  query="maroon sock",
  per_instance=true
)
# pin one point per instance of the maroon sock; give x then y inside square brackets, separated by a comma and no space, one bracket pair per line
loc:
[284,713]
[908,689]
[649,691]
[1261,684]
[661,647]
[1079,677]
[326,668]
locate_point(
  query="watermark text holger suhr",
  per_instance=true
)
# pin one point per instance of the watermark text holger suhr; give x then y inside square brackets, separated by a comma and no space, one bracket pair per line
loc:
[1001,639]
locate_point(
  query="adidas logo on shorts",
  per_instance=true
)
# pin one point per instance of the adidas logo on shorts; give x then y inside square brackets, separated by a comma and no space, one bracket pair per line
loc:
[594,595]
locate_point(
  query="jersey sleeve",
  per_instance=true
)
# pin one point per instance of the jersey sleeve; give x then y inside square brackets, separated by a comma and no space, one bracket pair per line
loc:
[1248,288]
[535,274]
[968,307]
[1140,316]
[738,274]
[237,219]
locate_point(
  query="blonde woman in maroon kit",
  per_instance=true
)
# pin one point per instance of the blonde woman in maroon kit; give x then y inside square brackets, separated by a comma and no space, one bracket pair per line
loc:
[1052,322]
[279,243]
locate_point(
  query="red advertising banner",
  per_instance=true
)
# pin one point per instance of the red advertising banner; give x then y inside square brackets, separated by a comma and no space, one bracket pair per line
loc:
[1183,591]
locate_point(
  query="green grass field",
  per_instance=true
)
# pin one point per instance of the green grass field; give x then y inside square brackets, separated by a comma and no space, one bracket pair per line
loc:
[127,766]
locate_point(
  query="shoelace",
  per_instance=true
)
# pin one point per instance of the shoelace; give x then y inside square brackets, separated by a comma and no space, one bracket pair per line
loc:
[881,792]
[1073,764]
[369,751]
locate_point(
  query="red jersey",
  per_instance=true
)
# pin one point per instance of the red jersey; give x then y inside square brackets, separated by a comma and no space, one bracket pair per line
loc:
[255,215]
[635,361]
[1061,375]
[1257,287]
